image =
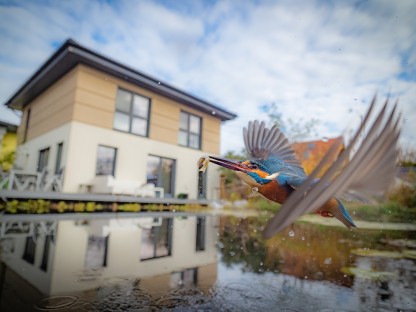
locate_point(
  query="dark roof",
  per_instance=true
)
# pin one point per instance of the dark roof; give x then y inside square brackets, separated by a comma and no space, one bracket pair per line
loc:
[71,54]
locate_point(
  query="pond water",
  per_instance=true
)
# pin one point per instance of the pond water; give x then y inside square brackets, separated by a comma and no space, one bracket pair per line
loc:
[200,262]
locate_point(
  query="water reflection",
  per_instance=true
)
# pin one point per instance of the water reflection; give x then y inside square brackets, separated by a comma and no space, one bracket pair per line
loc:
[188,262]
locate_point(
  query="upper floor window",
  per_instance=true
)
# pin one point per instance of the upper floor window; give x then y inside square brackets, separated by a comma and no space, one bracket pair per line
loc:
[190,130]
[132,113]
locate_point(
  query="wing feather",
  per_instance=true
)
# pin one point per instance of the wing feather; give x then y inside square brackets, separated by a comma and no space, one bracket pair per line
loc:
[262,143]
[368,171]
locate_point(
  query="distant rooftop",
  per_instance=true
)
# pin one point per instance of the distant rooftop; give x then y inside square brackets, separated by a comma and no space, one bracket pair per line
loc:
[71,54]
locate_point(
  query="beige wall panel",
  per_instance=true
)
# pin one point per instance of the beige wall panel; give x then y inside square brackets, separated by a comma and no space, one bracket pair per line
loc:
[51,109]
[55,121]
[207,276]
[210,147]
[212,137]
[94,100]
[164,122]
[211,124]
[164,135]
[96,82]
[93,116]
[44,115]
[166,108]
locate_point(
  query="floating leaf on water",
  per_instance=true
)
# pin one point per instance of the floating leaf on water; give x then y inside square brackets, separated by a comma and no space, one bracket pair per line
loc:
[369,274]
[376,253]
[409,254]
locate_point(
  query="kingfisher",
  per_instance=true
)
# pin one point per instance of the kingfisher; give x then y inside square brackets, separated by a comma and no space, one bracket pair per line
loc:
[363,169]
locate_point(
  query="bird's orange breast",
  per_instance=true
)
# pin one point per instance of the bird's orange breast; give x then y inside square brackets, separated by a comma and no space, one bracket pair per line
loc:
[274,192]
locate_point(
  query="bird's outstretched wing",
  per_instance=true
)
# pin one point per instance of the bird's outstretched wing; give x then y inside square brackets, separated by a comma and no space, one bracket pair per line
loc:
[262,143]
[367,171]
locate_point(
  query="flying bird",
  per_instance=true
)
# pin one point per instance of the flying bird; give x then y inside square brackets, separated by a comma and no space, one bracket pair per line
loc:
[364,169]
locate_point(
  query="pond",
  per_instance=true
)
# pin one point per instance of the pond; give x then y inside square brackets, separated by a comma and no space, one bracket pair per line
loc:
[200,262]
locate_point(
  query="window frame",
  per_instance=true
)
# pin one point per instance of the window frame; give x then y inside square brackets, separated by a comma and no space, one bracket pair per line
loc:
[131,115]
[169,239]
[113,173]
[41,156]
[188,130]
[58,160]
[201,235]
[29,253]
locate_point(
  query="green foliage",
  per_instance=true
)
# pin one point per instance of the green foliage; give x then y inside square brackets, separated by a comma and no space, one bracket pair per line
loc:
[30,206]
[263,204]
[6,160]
[295,130]
[129,207]
[229,176]
[407,157]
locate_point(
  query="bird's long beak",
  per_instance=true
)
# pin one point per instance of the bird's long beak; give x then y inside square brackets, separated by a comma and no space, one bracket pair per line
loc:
[228,163]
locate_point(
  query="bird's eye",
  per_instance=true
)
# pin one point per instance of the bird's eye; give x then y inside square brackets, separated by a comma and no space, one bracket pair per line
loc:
[254,166]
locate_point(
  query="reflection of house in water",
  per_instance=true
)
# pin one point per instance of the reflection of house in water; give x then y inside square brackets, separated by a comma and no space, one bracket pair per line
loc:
[162,253]
[386,284]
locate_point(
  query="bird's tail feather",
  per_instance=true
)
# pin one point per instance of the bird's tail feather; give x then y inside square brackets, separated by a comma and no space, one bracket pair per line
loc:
[342,215]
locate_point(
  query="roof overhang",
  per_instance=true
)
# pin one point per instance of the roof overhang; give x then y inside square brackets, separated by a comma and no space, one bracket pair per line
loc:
[70,54]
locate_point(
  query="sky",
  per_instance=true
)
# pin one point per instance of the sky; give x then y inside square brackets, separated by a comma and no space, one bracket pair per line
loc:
[314,59]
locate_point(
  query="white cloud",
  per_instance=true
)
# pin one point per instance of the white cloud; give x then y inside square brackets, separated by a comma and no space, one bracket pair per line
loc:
[314,59]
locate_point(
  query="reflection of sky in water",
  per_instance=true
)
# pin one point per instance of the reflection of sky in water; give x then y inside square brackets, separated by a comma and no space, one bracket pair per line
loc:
[156,262]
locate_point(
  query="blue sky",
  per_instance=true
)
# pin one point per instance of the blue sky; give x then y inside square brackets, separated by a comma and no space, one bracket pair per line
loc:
[316,59]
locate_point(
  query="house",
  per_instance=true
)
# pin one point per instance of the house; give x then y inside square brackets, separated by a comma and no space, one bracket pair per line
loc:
[310,153]
[59,256]
[112,129]
[8,141]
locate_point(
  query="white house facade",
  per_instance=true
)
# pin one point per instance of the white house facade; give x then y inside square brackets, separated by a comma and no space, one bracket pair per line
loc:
[106,128]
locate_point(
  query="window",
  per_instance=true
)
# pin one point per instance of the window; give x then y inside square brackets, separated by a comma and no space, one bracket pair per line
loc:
[202,185]
[58,158]
[132,113]
[26,125]
[30,250]
[45,257]
[190,130]
[43,159]
[106,160]
[161,172]
[96,255]
[187,278]
[200,233]
[157,241]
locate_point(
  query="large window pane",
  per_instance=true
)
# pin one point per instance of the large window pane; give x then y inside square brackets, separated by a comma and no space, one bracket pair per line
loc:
[152,173]
[160,172]
[106,159]
[183,121]
[157,241]
[96,255]
[140,106]
[139,126]
[122,122]
[194,124]
[43,159]
[189,130]
[30,250]
[132,113]
[123,101]
[183,138]
[200,233]
[167,174]
[194,141]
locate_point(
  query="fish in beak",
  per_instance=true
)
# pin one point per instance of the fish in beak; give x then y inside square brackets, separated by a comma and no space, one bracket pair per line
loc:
[223,162]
